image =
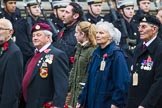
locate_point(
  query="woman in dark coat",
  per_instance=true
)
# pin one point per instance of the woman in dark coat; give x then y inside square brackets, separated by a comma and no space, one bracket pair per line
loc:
[108,76]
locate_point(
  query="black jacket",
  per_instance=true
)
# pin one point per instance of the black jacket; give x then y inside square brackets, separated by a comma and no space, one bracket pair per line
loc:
[148,65]
[11,74]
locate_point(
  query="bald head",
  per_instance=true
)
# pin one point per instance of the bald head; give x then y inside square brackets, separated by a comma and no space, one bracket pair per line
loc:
[6,30]
[6,23]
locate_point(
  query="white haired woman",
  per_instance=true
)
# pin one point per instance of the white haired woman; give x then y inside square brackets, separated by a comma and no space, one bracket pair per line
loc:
[108,76]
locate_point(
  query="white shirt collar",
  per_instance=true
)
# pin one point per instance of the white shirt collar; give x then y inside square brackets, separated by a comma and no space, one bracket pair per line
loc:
[150,41]
[43,48]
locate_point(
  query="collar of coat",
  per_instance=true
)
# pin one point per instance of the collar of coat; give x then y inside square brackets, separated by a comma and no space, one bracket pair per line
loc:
[152,47]
[109,49]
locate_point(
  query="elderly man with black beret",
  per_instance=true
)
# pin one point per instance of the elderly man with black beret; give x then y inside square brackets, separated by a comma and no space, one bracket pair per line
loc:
[46,79]
[146,72]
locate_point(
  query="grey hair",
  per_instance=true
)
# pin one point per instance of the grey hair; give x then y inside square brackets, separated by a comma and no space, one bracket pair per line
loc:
[48,33]
[114,33]
[117,36]
[8,23]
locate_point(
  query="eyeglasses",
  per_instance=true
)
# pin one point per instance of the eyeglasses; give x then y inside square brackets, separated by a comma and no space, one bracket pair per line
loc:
[4,29]
[145,26]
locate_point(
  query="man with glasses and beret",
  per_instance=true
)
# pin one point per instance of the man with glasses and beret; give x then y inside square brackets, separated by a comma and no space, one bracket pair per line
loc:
[146,75]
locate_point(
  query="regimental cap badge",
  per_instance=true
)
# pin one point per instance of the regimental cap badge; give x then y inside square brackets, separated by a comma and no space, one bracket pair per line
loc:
[151,20]
[37,27]
[144,19]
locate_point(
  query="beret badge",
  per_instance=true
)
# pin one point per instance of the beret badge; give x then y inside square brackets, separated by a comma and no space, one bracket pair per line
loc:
[37,27]
[144,19]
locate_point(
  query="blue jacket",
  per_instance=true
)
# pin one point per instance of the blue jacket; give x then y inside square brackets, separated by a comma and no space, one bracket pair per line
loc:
[109,86]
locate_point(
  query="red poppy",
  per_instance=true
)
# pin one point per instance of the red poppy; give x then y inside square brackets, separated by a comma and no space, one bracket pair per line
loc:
[65,106]
[105,56]
[47,50]
[72,59]
[5,46]
[48,105]
[61,34]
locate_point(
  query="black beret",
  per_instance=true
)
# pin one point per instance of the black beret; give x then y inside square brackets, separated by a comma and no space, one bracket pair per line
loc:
[150,19]
[41,26]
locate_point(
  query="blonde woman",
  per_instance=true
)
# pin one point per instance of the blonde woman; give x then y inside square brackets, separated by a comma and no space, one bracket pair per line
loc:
[85,34]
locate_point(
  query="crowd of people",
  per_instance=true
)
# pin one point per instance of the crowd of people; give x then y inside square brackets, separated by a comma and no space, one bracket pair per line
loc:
[73,59]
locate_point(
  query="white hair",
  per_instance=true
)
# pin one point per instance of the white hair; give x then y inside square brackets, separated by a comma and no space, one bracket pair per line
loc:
[48,33]
[113,32]
[117,36]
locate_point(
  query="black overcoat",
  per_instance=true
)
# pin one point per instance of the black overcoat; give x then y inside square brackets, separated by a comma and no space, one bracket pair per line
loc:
[148,65]
[11,74]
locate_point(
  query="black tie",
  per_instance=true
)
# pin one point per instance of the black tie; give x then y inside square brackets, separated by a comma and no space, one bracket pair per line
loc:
[144,47]
[37,51]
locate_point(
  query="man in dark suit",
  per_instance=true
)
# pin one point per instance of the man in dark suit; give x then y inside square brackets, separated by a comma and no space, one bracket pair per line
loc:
[11,71]
[146,79]
[46,78]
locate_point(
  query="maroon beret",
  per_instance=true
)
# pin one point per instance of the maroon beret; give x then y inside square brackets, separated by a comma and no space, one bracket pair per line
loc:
[41,26]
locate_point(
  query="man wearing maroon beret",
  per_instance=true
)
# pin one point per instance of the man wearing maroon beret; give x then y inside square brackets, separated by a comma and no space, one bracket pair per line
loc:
[46,79]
